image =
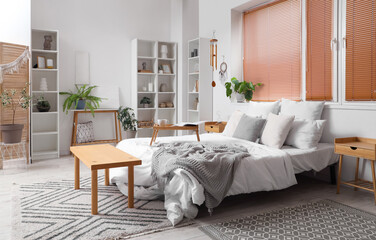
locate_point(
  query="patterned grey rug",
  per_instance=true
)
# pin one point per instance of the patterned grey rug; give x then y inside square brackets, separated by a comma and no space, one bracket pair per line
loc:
[324,219]
[54,210]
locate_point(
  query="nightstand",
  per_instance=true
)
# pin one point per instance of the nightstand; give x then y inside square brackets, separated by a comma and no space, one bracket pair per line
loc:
[216,127]
[360,148]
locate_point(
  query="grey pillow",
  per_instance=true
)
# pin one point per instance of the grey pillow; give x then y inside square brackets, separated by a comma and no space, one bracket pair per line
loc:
[85,132]
[249,128]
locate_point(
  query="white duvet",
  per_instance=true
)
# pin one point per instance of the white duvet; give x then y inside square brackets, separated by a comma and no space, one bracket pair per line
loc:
[267,169]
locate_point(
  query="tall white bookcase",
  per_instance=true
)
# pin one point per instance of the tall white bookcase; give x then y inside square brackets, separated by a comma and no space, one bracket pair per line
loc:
[147,54]
[45,125]
[199,76]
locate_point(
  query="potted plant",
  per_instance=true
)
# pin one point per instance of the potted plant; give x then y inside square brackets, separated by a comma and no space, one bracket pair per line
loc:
[42,104]
[81,99]
[145,101]
[128,120]
[243,90]
[12,133]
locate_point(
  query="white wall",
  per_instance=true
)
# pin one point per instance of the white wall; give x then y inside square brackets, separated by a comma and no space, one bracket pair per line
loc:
[104,28]
[342,121]
[15,21]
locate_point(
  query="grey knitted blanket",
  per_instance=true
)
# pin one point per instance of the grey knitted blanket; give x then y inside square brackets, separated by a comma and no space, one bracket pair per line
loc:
[213,165]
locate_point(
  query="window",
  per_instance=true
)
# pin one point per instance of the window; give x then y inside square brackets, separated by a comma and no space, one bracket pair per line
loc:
[319,15]
[272,50]
[360,46]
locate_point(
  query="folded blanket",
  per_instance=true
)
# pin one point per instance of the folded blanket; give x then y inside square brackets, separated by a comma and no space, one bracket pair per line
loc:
[213,165]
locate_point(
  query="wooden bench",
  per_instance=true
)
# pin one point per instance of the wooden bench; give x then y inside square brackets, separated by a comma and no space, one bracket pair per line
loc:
[103,156]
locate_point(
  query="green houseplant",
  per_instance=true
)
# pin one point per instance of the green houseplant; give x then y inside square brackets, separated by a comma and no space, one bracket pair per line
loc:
[145,101]
[42,104]
[243,90]
[81,99]
[128,120]
[11,98]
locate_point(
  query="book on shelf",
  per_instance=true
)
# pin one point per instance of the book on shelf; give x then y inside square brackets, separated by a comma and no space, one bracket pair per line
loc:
[188,124]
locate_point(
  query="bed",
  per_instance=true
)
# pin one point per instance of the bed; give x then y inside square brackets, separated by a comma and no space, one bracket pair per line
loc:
[268,169]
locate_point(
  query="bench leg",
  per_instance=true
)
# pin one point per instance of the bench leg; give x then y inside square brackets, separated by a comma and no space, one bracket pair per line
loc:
[106,176]
[76,173]
[198,136]
[94,192]
[130,187]
[339,172]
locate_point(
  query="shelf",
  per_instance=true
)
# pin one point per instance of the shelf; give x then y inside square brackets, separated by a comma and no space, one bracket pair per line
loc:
[166,108]
[194,73]
[44,51]
[146,74]
[148,128]
[44,91]
[146,57]
[193,92]
[45,70]
[47,113]
[41,153]
[166,92]
[146,109]
[193,58]
[44,133]
[167,59]
[166,74]
[191,110]
[147,92]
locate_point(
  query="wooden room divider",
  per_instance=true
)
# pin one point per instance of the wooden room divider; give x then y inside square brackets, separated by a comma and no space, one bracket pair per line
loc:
[17,80]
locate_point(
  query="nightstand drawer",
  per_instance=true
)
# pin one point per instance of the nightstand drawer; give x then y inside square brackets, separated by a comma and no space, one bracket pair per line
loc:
[355,151]
[215,127]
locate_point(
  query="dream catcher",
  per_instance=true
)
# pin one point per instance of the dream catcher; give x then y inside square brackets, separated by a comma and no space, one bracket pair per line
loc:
[223,71]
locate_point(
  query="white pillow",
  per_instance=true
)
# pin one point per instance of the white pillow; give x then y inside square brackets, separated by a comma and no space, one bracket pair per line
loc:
[302,110]
[276,129]
[232,123]
[262,108]
[305,134]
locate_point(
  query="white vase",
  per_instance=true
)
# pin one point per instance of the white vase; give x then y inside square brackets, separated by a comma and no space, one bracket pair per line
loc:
[130,134]
[43,84]
[164,51]
[150,87]
[240,98]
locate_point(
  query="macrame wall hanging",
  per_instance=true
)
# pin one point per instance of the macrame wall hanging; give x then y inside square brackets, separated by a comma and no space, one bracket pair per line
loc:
[9,68]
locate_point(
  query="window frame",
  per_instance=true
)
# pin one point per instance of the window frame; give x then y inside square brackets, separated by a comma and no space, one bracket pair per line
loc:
[339,60]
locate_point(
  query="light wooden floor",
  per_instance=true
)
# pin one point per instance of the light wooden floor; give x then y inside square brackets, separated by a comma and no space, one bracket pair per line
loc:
[233,207]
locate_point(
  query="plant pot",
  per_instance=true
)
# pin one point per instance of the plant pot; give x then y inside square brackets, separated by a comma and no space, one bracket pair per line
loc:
[11,133]
[43,108]
[145,105]
[81,104]
[240,98]
[130,134]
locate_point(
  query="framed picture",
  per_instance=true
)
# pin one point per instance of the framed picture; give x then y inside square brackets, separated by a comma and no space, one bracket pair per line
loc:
[41,61]
[50,63]
[166,68]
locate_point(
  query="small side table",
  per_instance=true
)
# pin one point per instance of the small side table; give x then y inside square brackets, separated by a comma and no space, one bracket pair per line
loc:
[216,127]
[157,128]
[360,148]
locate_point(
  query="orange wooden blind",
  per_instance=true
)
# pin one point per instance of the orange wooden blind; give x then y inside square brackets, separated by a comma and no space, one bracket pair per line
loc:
[319,54]
[360,50]
[272,50]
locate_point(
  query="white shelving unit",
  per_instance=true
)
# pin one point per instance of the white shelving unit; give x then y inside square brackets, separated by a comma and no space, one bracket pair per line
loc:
[45,125]
[149,52]
[199,73]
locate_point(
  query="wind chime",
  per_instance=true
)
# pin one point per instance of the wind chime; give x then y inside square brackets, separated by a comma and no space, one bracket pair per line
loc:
[213,55]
